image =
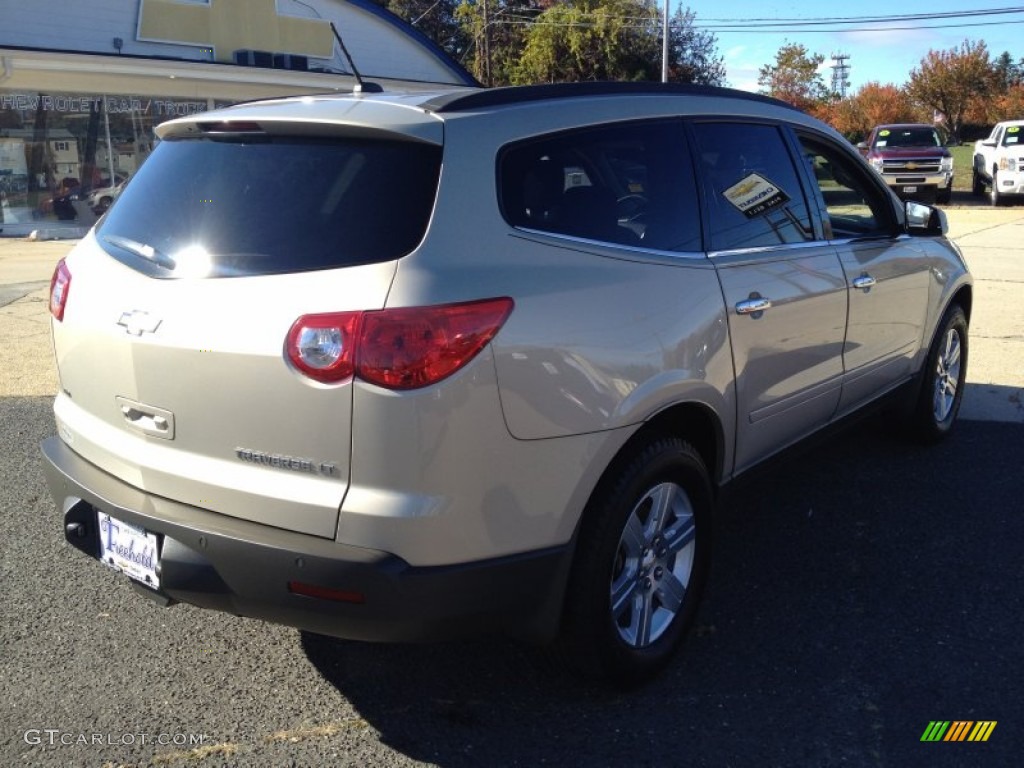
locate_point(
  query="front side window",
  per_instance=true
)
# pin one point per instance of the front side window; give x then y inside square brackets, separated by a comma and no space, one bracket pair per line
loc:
[627,184]
[853,203]
[754,195]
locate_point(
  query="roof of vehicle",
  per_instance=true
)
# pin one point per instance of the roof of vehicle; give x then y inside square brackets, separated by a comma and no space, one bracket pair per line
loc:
[418,114]
[890,126]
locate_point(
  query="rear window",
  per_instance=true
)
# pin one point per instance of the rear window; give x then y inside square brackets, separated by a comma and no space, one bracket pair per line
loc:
[226,207]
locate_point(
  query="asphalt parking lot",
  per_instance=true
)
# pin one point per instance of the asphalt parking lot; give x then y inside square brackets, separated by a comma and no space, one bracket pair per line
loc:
[860,590]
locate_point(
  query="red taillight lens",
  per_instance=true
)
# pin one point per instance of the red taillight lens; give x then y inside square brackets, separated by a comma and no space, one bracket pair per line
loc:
[403,348]
[416,347]
[60,284]
[324,346]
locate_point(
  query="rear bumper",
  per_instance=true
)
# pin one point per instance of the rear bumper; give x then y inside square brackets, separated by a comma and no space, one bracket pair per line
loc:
[245,568]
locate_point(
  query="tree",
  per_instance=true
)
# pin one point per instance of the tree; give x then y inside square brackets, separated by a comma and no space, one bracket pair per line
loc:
[592,40]
[795,77]
[874,104]
[693,53]
[949,81]
[1008,73]
[437,20]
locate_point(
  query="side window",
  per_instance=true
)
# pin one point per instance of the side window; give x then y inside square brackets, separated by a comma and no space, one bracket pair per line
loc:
[854,205]
[752,187]
[629,184]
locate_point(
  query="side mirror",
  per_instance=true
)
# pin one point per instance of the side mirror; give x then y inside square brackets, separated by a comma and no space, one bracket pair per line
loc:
[925,220]
[988,143]
[862,145]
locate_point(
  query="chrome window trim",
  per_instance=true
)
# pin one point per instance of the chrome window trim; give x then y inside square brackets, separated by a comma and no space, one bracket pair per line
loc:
[544,235]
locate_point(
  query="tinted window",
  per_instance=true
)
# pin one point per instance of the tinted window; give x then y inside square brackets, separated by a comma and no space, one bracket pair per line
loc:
[854,205]
[227,207]
[629,184]
[754,197]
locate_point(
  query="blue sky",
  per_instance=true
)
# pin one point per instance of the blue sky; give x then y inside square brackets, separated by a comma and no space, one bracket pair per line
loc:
[877,51]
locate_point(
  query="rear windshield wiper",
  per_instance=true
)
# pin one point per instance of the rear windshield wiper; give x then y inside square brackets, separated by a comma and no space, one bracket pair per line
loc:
[148,252]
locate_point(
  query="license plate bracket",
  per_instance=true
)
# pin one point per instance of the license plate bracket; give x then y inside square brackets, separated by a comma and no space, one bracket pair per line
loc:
[129,549]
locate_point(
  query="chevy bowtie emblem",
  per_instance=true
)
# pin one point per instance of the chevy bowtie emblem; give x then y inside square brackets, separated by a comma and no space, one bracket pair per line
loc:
[911,165]
[138,322]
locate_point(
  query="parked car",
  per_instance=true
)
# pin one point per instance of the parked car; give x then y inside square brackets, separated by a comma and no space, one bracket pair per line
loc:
[102,198]
[999,162]
[502,398]
[64,197]
[913,160]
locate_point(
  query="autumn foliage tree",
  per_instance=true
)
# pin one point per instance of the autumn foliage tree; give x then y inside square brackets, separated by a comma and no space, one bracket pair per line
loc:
[950,81]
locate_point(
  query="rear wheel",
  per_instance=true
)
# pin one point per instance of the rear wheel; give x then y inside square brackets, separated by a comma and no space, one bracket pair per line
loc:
[641,564]
[943,377]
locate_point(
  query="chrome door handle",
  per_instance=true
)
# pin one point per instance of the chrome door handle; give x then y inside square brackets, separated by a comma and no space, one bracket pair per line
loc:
[753,305]
[864,282]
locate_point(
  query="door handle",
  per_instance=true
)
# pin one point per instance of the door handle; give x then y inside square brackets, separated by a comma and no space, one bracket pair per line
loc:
[753,305]
[864,282]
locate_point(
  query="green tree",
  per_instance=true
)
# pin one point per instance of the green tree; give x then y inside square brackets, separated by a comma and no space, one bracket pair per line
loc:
[592,40]
[1008,72]
[693,53]
[950,81]
[795,77]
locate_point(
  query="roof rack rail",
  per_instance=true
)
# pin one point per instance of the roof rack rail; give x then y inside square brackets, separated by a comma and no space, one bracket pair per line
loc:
[460,101]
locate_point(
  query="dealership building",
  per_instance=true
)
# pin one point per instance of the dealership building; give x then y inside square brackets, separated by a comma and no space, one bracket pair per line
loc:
[82,84]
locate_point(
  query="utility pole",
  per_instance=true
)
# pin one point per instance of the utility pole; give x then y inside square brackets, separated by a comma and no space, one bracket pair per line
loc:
[840,74]
[664,46]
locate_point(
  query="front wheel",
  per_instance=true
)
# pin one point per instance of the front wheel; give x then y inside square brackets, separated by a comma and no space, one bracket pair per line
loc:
[994,197]
[977,185]
[641,563]
[943,378]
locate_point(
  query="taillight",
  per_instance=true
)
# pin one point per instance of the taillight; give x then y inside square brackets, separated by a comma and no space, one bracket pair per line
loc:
[323,346]
[60,284]
[404,348]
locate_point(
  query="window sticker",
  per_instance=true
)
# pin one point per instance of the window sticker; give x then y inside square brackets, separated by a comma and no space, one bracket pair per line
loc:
[881,143]
[755,195]
[1013,129]
[884,133]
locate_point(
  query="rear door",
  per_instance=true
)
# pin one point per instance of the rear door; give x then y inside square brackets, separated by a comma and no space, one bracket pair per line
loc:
[784,288]
[171,352]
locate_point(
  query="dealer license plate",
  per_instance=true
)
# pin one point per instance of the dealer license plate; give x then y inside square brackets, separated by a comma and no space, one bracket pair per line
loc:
[129,549]
[909,190]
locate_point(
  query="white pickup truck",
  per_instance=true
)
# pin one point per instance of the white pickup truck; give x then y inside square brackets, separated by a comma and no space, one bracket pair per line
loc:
[999,162]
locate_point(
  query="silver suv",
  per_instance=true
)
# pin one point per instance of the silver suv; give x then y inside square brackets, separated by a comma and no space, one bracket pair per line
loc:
[409,366]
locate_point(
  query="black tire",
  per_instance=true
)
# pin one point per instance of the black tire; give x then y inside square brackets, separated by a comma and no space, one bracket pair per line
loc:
[645,538]
[944,196]
[977,185]
[942,379]
[993,194]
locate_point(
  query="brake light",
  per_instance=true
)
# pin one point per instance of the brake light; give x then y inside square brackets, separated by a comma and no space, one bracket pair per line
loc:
[60,284]
[404,348]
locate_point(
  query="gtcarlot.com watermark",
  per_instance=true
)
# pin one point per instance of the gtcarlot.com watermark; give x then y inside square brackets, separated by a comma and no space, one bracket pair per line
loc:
[55,737]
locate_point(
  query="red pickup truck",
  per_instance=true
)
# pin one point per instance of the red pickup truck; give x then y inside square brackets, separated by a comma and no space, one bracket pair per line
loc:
[913,160]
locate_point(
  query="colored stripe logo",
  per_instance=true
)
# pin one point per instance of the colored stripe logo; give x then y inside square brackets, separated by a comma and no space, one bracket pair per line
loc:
[959,730]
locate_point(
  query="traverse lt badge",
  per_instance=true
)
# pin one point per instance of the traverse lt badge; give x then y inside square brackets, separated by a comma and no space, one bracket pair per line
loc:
[138,322]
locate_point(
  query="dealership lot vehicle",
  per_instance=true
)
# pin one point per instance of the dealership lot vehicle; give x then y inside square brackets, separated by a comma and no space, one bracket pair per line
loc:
[499,396]
[913,160]
[999,163]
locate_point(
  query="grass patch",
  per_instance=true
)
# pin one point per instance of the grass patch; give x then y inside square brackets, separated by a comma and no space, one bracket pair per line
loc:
[963,161]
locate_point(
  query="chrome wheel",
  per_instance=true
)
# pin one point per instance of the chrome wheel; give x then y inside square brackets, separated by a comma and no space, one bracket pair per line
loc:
[653,565]
[947,376]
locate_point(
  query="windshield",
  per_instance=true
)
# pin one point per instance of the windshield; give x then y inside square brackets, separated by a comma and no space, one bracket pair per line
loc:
[1012,136]
[225,207]
[922,136]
